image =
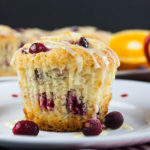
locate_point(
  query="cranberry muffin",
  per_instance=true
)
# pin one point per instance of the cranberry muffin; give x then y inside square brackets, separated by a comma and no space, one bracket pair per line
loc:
[9,43]
[65,80]
[87,31]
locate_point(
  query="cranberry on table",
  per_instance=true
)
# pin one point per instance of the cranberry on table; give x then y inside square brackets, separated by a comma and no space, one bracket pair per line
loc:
[37,48]
[25,127]
[83,42]
[113,120]
[92,127]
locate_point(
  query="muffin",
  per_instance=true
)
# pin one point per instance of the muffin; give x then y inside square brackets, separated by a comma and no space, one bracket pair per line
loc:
[87,31]
[65,80]
[9,43]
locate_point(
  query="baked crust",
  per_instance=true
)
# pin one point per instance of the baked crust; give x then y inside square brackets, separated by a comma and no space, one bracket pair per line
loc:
[51,121]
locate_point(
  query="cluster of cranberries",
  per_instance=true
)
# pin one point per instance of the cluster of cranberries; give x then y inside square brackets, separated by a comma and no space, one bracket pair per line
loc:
[93,127]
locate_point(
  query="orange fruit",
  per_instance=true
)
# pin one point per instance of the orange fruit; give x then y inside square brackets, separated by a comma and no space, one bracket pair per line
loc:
[129,46]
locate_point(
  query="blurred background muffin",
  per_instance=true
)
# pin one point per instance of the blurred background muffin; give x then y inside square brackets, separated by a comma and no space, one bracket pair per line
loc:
[87,31]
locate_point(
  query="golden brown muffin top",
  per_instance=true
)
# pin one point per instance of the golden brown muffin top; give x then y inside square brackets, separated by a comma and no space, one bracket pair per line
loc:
[67,48]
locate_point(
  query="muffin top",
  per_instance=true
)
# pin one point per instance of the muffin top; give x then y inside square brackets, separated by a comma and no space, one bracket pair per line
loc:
[8,31]
[86,31]
[68,48]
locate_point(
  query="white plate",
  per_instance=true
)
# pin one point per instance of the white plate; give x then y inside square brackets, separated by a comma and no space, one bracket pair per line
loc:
[135,109]
[8,78]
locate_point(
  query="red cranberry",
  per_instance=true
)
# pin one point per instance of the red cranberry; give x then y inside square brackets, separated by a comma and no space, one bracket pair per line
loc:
[113,120]
[146,48]
[37,48]
[25,127]
[92,127]
[83,42]
[75,104]
[74,28]
[45,103]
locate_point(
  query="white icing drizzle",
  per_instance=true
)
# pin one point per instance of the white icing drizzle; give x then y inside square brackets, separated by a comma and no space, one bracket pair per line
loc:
[79,59]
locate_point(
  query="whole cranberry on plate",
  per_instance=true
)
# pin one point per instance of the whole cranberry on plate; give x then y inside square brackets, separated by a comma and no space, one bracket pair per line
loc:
[113,120]
[25,127]
[92,127]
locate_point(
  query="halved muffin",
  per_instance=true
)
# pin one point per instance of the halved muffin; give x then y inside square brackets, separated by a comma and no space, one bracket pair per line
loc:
[86,31]
[65,80]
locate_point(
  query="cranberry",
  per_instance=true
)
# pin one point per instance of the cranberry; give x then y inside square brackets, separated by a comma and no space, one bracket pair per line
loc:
[83,42]
[45,103]
[25,127]
[75,104]
[23,51]
[37,48]
[92,127]
[113,120]
[19,29]
[74,28]
[38,74]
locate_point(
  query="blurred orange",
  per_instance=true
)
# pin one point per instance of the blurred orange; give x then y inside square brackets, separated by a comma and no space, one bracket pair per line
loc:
[129,46]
